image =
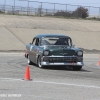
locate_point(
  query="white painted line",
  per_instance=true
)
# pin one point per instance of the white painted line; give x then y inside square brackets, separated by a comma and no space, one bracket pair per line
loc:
[55,83]
[85,86]
[34,96]
[12,53]
[11,79]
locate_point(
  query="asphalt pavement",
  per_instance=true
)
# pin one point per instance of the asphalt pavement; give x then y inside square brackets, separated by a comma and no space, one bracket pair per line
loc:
[52,83]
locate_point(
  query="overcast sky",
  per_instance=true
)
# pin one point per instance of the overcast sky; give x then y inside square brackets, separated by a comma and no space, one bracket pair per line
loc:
[76,2]
[95,3]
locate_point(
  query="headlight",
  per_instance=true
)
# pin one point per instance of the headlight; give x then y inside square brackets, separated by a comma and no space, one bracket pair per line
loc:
[46,53]
[80,53]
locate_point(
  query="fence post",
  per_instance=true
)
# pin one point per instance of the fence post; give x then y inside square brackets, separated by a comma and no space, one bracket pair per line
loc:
[89,11]
[99,13]
[4,5]
[77,14]
[66,7]
[35,11]
[21,10]
[54,8]
[81,14]
[28,8]
[46,12]
[14,8]
[41,10]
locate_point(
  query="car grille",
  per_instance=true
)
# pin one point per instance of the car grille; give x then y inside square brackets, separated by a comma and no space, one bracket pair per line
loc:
[60,59]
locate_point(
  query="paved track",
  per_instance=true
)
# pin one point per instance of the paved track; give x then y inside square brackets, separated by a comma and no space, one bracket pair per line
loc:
[49,83]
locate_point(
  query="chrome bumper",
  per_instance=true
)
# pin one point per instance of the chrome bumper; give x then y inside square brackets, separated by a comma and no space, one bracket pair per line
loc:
[70,64]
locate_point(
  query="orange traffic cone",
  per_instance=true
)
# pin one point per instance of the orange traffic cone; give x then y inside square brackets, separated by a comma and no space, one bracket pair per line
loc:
[99,63]
[27,74]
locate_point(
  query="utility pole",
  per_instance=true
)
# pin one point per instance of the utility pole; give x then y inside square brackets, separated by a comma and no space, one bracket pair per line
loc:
[66,7]
[4,5]
[14,8]
[99,13]
[28,8]
[54,8]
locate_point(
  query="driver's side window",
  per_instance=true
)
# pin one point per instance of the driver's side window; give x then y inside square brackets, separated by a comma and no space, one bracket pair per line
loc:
[34,41]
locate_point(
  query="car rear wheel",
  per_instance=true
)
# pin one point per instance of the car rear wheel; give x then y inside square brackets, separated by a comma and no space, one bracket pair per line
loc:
[77,68]
[29,61]
[39,62]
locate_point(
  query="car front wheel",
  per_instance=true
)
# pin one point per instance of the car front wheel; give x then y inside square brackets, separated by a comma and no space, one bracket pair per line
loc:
[39,62]
[77,68]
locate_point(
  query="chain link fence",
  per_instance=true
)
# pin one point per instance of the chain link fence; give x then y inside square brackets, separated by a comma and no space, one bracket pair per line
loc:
[35,8]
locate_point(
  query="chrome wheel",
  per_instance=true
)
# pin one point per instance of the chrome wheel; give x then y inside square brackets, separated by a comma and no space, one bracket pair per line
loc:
[39,62]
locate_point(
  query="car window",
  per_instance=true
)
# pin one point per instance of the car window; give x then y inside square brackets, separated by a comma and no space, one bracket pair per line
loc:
[34,41]
[56,41]
[69,42]
[37,42]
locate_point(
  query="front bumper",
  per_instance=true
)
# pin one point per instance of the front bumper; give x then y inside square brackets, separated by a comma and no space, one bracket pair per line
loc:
[70,64]
[62,60]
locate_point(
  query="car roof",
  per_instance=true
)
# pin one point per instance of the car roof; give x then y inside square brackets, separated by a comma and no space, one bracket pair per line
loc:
[51,35]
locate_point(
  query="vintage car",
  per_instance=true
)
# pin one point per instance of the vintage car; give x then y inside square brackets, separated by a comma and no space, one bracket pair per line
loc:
[54,50]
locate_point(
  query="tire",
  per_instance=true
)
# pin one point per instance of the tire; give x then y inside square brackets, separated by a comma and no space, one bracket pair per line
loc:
[29,61]
[39,62]
[77,68]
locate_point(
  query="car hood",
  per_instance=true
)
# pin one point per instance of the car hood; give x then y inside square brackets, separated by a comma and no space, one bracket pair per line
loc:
[62,50]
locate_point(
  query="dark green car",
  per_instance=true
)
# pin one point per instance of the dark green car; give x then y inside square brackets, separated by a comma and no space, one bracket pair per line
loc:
[54,50]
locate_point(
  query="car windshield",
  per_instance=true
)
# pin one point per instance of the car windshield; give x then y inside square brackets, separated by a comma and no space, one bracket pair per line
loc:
[56,41]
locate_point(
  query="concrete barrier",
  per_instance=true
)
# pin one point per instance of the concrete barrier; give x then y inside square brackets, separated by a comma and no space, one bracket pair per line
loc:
[17,31]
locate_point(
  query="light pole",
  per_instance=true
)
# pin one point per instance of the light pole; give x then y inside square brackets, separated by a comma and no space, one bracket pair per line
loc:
[28,8]
[54,8]
[14,8]
[66,7]
[99,13]
[4,5]
[27,5]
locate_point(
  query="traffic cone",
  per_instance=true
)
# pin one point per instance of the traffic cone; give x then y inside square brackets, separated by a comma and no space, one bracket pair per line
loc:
[27,74]
[99,63]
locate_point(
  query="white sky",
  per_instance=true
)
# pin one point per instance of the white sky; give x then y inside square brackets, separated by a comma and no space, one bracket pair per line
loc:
[94,3]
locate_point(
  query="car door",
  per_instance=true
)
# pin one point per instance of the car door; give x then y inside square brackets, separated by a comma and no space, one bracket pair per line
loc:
[31,54]
[34,49]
